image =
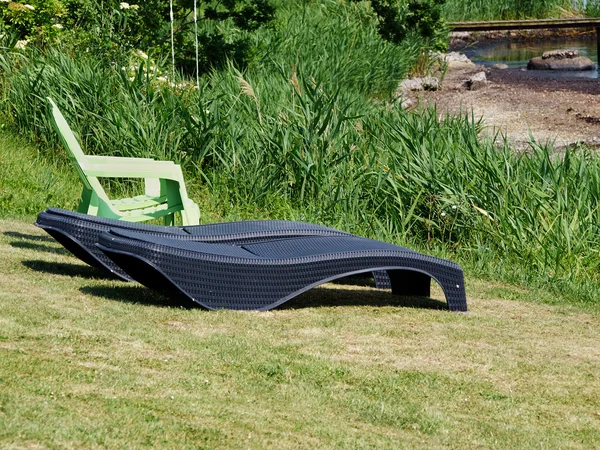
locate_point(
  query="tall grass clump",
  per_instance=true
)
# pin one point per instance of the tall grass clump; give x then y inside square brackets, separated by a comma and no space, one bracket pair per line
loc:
[114,113]
[459,10]
[592,8]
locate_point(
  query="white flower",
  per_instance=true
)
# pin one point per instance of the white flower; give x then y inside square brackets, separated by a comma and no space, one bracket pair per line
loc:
[58,26]
[6,1]
[21,44]
[140,54]
[443,214]
[31,7]
[135,6]
[453,206]
[124,5]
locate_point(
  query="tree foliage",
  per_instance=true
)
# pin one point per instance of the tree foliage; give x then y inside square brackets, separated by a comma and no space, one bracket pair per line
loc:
[111,28]
[399,18]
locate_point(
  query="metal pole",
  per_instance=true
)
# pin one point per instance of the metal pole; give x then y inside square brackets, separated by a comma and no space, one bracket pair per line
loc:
[172,40]
[196,35]
[598,44]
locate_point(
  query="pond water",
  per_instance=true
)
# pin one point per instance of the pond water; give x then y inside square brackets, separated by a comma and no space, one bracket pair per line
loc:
[516,54]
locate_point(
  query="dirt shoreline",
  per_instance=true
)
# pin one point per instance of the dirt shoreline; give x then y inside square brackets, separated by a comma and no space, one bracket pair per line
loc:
[520,105]
[461,39]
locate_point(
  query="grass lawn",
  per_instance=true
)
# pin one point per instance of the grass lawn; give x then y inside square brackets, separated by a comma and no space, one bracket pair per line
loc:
[91,363]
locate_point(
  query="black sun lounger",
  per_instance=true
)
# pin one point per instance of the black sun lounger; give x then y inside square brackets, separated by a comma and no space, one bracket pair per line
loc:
[261,276]
[79,234]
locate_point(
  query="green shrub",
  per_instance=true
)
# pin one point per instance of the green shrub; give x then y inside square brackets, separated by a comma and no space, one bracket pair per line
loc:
[36,20]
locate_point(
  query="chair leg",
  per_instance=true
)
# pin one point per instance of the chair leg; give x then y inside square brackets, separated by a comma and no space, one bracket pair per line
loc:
[190,214]
[169,219]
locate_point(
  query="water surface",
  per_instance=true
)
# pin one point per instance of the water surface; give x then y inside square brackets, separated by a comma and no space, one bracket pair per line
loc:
[516,54]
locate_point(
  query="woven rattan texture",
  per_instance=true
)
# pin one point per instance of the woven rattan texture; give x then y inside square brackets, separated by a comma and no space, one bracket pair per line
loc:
[79,233]
[216,280]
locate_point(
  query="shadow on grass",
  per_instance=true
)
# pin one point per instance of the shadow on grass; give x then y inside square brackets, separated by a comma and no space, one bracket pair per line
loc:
[29,237]
[58,268]
[39,247]
[34,242]
[138,295]
[338,296]
[315,298]
[361,279]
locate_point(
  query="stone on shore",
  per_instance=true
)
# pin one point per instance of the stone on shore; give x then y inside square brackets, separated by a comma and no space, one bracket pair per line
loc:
[560,54]
[455,60]
[477,81]
[419,84]
[561,60]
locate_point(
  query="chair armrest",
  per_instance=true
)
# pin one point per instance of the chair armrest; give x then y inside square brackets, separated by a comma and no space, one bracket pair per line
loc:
[165,170]
[94,159]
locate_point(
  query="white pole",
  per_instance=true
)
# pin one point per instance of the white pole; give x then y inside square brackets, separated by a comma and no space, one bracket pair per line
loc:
[172,40]
[196,34]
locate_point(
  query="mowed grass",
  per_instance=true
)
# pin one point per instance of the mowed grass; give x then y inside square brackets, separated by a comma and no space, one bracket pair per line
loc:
[30,182]
[91,363]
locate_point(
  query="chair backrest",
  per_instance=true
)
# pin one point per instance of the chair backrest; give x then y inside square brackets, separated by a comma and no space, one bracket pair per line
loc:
[69,141]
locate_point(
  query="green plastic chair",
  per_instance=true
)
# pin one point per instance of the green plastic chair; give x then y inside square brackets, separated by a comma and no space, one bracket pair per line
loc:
[165,192]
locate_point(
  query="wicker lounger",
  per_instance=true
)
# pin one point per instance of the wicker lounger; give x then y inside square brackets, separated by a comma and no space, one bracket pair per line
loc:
[261,276]
[79,234]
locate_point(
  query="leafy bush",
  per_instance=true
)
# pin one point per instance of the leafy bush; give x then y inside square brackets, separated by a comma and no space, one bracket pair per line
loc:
[112,31]
[37,20]
[397,19]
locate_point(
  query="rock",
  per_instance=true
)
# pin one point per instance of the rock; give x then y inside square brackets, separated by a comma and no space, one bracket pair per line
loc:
[477,81]
[419,84]
[407,103]
[455,60]
[405,89]
[414,84]
[561,60]
[500,66]
[560,54]
[430,83]
[577,63]
[460,39]
[454,57]
[463,35]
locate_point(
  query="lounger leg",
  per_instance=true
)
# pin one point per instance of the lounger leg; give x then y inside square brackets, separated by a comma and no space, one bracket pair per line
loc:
[382,279]
[410,282]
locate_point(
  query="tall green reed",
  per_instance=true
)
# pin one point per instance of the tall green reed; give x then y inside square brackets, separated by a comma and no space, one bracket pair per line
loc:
[505,9]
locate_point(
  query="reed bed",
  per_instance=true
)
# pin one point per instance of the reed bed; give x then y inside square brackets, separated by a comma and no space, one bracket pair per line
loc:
[508,9]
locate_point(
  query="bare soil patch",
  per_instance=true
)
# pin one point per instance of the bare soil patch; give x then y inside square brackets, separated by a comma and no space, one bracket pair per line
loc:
[521,105]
